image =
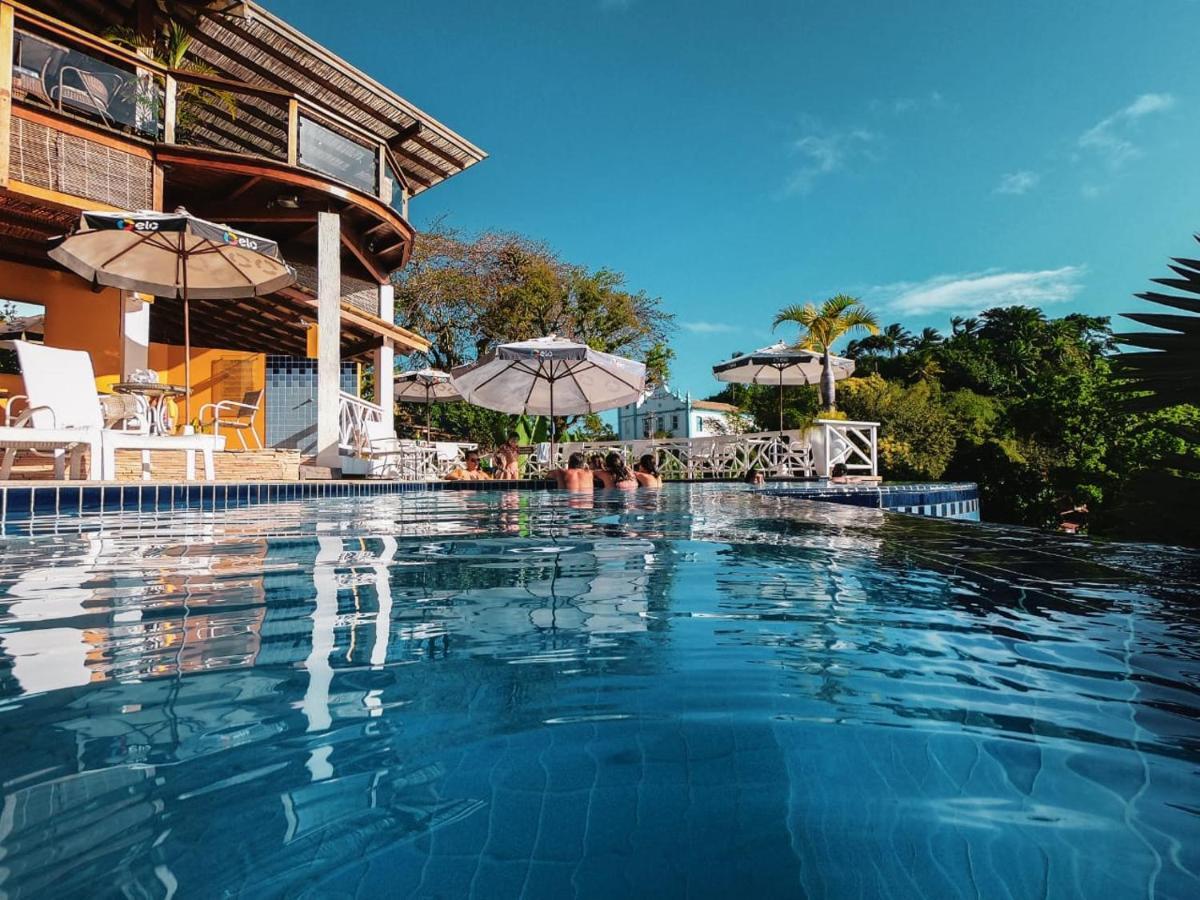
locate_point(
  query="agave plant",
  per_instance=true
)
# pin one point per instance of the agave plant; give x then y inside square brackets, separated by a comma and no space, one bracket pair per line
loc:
[1165,371]
[170,47]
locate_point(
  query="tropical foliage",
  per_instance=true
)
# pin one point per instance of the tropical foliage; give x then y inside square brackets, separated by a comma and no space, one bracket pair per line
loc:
[1038,411]
[171,46]
[467,295]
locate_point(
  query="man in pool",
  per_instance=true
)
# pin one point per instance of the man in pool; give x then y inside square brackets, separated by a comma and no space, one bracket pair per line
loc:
[470,470]
[576,477]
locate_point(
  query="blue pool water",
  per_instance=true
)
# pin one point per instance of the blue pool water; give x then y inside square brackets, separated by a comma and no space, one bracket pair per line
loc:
[701,693]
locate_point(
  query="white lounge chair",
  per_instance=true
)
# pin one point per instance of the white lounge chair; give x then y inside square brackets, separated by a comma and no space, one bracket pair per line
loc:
[61,443]
[61,386]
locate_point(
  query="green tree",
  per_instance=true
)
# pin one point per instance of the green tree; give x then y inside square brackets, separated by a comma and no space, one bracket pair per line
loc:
[918,437]
[824,325]
[469,295]
[658,363]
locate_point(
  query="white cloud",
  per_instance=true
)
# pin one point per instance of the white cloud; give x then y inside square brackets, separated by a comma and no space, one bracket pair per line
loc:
[1019,182]
[976,291]
[702,327]
[823,153]
[1111,139]
[932,100]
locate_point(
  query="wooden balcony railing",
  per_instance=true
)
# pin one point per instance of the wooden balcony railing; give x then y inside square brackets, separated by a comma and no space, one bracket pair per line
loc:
[84,77]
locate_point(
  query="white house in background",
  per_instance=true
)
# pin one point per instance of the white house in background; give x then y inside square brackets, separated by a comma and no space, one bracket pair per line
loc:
[664,411]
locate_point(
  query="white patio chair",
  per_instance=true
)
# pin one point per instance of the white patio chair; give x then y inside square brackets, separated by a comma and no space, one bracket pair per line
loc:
[61,386]
[448,454]
[385,453]
[238,416]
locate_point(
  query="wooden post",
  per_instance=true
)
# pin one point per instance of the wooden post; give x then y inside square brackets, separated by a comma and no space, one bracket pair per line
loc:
[6,71]
[169,110]
[385,360]
[382,182]
[293,132]
[329,314]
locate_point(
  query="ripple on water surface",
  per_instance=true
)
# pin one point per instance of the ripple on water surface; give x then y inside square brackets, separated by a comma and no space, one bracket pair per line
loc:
[697,692]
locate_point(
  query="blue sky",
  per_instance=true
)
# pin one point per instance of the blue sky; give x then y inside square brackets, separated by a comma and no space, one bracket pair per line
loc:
[934,158]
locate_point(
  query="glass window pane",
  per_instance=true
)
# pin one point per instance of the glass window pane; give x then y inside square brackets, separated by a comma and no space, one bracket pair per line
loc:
[334,154]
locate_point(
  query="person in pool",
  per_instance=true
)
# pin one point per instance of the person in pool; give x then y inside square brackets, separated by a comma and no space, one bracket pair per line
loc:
[755,477]
[507,457]
[576,477]
[646,472]
[616,474]
[470,470]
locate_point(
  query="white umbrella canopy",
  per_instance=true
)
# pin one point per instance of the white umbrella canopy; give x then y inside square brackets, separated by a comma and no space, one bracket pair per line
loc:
[550,376]
[780,365]
[425,386]
[172,255]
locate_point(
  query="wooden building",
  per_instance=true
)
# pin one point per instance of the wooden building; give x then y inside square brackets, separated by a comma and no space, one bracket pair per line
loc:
[223,108]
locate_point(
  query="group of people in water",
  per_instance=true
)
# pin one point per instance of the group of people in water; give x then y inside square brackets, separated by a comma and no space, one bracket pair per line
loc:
[585,473]
[581,473]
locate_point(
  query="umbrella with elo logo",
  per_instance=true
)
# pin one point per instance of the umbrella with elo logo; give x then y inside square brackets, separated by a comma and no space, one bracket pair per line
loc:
[172,255]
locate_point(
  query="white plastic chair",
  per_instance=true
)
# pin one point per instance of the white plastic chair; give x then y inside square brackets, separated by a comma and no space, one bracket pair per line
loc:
[235,415]
[61,386]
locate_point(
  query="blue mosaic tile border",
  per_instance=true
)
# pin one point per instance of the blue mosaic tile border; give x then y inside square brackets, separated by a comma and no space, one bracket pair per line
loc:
[943,501]
[23,504]
[20,503]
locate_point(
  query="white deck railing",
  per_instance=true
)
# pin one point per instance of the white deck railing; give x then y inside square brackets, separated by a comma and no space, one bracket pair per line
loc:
[353,415]
[812,451]
[854,445]
[801,452]
[720,456]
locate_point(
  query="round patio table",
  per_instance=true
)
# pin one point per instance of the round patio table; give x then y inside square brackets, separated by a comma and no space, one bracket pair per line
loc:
[156,395]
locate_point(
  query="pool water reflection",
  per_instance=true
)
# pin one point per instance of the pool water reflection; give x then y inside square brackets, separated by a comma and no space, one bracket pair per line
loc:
[701,692]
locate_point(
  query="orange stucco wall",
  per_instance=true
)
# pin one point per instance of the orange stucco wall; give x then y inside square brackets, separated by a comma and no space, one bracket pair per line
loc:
[79,319]
[167,361]
[76,318]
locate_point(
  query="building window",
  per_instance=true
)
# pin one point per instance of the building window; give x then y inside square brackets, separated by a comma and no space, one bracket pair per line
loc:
[699,426]
[675,422]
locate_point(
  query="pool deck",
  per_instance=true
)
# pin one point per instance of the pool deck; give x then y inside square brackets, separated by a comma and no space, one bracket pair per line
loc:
[24,503]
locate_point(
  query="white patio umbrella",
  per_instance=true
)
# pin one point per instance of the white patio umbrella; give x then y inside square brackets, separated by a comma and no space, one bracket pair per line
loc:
[425,386]
[550,376]
[172,255]
[780,365]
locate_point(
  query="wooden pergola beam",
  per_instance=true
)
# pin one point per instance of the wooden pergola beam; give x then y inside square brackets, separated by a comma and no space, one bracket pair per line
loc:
[364,257]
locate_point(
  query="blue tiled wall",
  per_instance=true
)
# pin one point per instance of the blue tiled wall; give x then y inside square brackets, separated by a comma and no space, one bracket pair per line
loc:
[291,399]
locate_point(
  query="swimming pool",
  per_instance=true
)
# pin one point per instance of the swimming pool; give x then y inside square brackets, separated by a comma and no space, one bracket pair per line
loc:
[699,692]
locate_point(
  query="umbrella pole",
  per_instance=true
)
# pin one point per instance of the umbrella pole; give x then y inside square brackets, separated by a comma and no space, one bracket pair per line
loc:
[187,364]
[781,401]
[553,433]
[428,416]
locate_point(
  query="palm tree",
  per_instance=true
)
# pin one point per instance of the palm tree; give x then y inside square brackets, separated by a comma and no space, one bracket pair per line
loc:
[171,46]
[822,326]
[928,338]
[895,338]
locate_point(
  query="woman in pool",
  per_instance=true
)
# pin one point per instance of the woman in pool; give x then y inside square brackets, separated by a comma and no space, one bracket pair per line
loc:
[470,470]
[507,459]
[616,474]
[755,477]
[646,472]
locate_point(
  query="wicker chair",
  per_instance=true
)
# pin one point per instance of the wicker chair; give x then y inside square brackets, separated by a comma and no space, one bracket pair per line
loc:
[93,92]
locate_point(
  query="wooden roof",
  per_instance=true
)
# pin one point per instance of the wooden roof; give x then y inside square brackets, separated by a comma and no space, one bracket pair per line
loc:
[244,42]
